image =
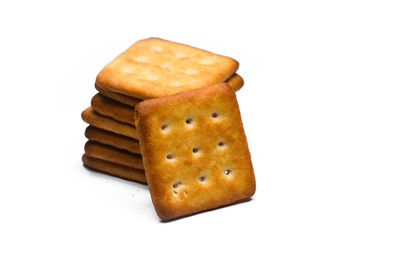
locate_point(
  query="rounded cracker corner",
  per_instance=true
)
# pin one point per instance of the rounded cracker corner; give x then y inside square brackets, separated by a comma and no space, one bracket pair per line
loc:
[84,114]
[236,64]
[99,78]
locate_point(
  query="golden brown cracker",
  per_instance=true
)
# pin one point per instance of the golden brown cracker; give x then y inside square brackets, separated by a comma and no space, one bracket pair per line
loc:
[102,122]
[114,169]
[112,139]
[194,150]
[155,67]
[112,154]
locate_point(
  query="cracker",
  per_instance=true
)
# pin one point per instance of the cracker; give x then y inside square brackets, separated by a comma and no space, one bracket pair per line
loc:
[195,151]
[99,121]
[155,67]
[112,139]
[114,169]
[113,109]
[114,155]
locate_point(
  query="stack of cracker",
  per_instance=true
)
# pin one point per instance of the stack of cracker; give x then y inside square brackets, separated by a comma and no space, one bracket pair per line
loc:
[179,103]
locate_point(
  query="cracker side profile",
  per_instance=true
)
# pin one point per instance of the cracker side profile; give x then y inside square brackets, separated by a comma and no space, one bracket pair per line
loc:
[194,151]
[112,139]
[114,169]
[127,100]
[110,108]
[93,118]
[112,154]
[155,67]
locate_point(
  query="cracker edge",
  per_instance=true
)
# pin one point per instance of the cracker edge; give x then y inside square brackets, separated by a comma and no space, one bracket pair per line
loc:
[93,164]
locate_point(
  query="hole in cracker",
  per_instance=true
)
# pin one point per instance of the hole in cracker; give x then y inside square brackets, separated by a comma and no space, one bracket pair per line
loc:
[170,156]
[202,179]
[177,184]
[175,193]
[196,150]
[214,114]
[164,127]
[185,192]
[228,172]
[191,72]
[140,59]
[221,143]
[189,121]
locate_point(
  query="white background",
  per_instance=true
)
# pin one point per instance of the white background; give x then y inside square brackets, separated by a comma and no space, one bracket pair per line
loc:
[320,106]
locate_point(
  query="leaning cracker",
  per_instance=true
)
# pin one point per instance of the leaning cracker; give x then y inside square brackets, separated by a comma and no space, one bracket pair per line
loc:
[112,139]
[113,109]
[114,155]
[114,169]
[99,121]
[195,151]
[155,67]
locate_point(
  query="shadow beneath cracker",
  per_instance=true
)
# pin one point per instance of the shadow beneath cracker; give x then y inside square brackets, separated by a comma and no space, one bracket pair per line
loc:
[105,175]
[205,211]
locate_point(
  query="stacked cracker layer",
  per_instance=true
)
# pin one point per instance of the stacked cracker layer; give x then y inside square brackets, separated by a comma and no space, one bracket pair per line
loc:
[179,102]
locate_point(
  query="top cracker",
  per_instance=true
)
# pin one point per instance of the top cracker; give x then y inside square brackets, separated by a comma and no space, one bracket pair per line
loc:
[155,67]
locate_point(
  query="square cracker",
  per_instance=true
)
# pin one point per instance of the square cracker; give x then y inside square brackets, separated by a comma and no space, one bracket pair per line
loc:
[194,151]
[155,67]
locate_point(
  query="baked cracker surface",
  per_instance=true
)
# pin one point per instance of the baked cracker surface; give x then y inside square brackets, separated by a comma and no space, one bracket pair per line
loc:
[194,151]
